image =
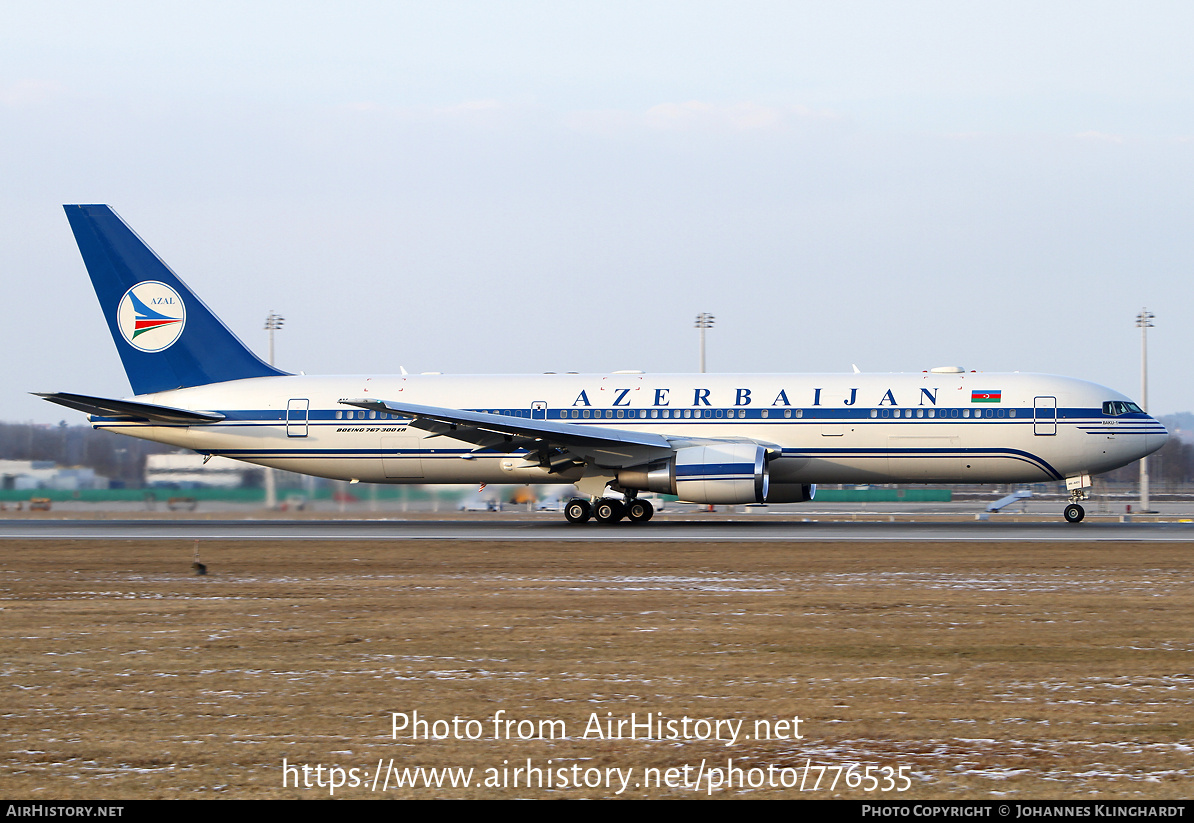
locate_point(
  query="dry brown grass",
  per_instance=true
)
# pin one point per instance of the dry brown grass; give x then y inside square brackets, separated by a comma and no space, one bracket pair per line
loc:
[1019,669]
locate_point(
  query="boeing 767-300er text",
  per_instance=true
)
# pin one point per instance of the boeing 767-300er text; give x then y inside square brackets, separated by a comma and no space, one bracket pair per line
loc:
[720,439]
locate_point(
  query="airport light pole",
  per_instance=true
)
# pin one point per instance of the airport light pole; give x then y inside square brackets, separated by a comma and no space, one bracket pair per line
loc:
[1144,321]
[273,322]
[704,320]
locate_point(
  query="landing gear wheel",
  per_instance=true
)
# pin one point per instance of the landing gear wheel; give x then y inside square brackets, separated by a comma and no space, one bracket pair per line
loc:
[578,510]
[639,511]
[1074,513]
[608,510]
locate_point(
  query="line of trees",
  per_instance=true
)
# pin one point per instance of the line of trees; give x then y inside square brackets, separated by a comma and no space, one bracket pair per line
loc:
[121,459]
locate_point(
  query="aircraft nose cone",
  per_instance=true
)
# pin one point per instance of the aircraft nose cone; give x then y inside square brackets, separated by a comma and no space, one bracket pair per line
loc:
[1155,441]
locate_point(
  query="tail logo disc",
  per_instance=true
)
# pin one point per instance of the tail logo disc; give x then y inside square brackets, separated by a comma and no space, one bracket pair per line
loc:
[151,316]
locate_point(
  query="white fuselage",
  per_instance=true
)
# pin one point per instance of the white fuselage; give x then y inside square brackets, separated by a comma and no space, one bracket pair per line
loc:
[919,428]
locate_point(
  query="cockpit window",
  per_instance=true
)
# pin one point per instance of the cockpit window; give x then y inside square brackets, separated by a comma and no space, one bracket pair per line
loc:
[1118,407]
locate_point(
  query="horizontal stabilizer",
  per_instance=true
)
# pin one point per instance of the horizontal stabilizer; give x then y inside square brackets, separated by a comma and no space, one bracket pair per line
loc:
[105,407]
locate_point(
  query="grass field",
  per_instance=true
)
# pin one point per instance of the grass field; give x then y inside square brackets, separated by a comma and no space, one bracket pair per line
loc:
[967,670]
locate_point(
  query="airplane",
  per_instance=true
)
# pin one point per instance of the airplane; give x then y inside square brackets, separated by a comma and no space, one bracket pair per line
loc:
[707,438]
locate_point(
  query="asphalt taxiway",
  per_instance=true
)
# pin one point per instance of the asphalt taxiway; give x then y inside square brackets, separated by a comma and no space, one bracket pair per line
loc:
[671,529]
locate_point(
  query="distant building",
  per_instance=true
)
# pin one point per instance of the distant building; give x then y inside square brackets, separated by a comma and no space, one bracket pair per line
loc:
[30,475]
[186,470]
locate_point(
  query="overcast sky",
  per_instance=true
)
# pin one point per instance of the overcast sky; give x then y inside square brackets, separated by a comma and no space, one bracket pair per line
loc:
[518,187]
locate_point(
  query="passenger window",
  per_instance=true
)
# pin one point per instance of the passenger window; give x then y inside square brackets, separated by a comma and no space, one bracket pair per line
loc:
[763,413]
[787,412]
[874,412]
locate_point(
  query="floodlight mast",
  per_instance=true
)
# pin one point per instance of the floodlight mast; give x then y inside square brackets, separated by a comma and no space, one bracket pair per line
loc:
[273,322]
[1144,321]
[704,320]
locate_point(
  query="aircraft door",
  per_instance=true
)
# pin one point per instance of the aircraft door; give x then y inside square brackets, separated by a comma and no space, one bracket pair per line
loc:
[539,410]
[1044,416]
[296,416]
[400,457]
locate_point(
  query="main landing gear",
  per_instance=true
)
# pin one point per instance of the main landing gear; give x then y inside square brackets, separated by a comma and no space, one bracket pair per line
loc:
[608,510]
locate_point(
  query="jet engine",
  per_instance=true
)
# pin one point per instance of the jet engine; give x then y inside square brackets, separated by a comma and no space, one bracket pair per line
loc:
[723,473]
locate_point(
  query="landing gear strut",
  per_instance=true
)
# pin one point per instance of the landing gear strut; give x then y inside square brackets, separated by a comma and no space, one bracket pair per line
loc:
[1077,486]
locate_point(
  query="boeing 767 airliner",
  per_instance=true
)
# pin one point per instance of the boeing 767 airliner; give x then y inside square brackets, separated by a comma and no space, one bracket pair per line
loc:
[720,439]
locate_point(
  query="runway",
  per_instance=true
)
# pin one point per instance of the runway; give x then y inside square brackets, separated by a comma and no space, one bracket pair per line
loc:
[671,529]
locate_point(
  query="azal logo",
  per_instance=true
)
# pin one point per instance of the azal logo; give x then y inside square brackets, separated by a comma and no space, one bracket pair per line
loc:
[151,316]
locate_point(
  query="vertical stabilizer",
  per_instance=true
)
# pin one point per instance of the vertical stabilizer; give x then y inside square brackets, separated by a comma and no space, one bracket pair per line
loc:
[166,337]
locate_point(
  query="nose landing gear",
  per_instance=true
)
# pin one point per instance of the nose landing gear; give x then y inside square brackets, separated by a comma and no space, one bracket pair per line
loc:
[1077,487]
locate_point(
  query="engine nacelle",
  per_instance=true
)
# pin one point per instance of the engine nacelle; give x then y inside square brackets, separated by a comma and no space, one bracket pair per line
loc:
[721,473]
[791,492]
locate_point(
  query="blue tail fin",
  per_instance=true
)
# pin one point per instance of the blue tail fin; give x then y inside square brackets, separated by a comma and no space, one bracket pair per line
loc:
[166,337]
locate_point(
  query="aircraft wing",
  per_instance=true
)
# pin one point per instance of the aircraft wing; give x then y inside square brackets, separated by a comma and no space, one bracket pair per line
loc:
[105,407]
[558,443]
